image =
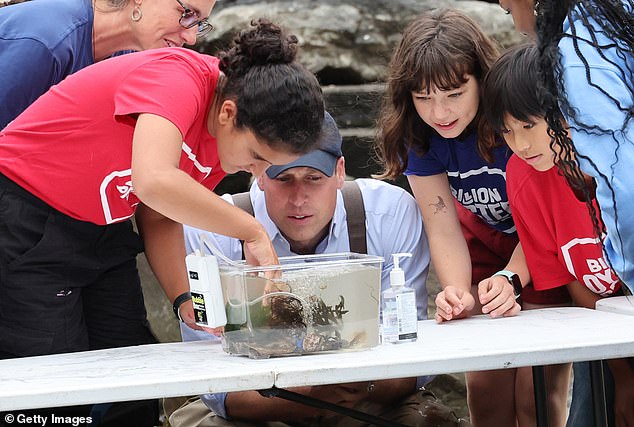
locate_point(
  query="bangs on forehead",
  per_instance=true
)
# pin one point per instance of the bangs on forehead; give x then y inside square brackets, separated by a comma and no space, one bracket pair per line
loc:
[512,87]
[441,69]
[525,110]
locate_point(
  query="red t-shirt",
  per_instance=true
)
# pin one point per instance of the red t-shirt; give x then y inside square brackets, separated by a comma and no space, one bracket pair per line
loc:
[556,231]
[72,148]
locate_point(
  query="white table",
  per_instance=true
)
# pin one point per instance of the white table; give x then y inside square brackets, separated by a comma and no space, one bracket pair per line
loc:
[621,304]
[537,337]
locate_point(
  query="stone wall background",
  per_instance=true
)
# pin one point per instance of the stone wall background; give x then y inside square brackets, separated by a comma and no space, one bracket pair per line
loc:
[351,41]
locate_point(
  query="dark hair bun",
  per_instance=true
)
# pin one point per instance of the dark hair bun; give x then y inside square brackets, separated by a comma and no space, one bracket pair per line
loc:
[265,44]
[278,99]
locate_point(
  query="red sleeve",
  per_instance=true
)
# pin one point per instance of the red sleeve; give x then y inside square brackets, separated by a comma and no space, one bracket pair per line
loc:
[533,228]
[175,86]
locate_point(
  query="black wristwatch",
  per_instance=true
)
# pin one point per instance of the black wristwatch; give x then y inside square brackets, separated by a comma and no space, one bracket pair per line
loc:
[185,296]
[514,280]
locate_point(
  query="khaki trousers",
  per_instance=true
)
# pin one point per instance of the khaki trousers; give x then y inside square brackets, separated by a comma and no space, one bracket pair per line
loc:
[420,409]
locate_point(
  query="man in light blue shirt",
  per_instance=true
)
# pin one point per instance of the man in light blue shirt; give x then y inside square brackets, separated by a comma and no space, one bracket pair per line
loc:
[302,208]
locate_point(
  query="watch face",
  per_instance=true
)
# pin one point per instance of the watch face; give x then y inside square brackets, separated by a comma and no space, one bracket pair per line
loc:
[514,280]
[517,285]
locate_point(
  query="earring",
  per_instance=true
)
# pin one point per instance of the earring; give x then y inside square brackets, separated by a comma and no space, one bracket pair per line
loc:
[536,7]
[137,14]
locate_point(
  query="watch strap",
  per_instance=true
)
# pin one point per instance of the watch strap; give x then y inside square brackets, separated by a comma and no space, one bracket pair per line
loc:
[185,296]
[514,280]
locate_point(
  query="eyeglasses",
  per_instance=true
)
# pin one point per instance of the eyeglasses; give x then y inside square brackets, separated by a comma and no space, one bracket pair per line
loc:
[190,19]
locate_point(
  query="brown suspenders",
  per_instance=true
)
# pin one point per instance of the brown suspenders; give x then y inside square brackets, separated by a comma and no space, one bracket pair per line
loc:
[355,217]
[243,201]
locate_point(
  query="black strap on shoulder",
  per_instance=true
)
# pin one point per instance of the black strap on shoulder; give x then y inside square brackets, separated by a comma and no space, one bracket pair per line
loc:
[355,217]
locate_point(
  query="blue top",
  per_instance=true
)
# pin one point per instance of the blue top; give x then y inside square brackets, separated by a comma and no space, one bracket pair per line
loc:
[612,153]
[393,224]
[479,186]
[41,42]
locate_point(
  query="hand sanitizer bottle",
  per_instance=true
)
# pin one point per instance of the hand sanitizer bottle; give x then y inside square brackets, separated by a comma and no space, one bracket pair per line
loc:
[400,320]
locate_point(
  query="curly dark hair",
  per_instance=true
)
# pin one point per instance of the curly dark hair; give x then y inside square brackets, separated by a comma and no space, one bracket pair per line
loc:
[437,49]
[277,98]
[609,19]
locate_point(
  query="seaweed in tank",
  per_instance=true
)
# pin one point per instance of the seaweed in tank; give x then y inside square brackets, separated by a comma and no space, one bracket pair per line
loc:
[283,326]
[325,315]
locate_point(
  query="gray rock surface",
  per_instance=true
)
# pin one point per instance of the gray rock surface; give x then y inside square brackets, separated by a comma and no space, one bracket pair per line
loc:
[347,42]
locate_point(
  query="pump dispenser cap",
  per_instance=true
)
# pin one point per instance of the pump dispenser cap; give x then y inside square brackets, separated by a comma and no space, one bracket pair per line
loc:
[397,275]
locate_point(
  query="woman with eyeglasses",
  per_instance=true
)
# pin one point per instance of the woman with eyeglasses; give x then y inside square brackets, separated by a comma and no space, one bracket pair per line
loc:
[146,135]
[44,41]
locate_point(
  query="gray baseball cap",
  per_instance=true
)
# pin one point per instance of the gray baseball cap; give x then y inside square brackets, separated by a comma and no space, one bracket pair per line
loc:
[323,158]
